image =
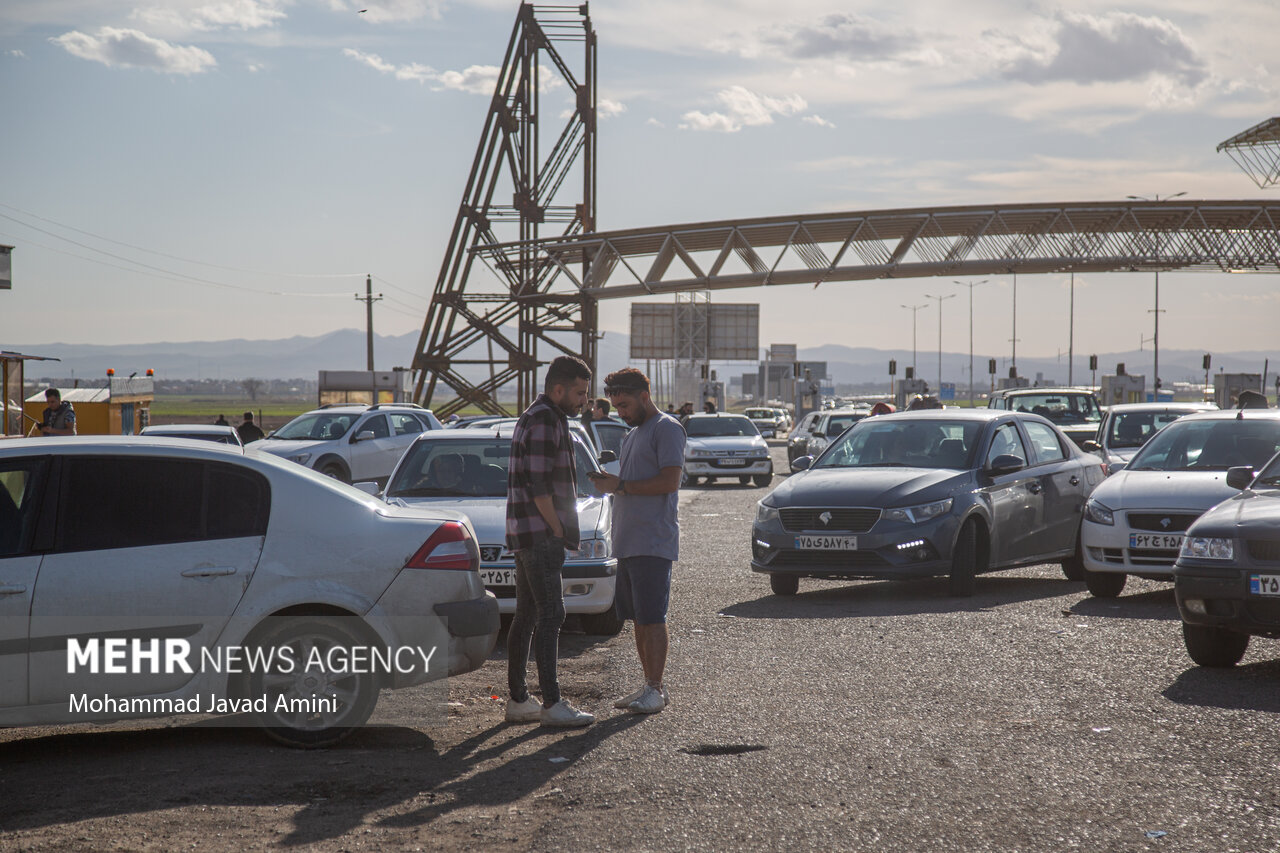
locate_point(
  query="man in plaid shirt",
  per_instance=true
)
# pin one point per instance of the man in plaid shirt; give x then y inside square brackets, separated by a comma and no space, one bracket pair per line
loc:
[542,521]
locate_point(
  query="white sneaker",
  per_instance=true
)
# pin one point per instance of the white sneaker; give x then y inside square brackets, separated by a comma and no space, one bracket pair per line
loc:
[651,701]
[528,711]
[564,715]
[622,703]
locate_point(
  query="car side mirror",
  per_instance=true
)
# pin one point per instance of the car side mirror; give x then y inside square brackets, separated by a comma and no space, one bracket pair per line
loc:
[818,434]
[801,463]
[1006,463]
[1239,477]
[607,456]
[367,435]
[1117,467]
[1091,446]
[369,488]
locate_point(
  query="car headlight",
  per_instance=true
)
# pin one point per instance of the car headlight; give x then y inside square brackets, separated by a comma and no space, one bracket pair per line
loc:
[765,513]
[918,514]
[1099,514]
[760,453]
[300,458]
[1206,548]
[589,549]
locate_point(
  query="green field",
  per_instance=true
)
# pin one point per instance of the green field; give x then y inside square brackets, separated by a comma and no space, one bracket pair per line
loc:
[200,409]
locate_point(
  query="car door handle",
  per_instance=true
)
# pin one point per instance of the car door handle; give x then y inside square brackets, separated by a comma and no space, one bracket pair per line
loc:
[209,572]
[1075,481]
[16,589]
[1034,488]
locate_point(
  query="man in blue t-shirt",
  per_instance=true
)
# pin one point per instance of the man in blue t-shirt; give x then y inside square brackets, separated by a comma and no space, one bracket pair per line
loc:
[646,531]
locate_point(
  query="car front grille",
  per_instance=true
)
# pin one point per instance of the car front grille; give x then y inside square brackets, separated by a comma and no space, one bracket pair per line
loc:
[851,519]
[1152,557]
[1162,522]
[1264,550]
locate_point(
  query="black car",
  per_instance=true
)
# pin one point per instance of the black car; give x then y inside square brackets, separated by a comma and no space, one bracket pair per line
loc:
[1073,410]
[1227,578]
[919,494]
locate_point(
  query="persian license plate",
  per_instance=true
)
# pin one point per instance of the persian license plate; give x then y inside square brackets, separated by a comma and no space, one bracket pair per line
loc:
[827,543]
[498,577]
[730,462]
[1156,541]
[1264,584]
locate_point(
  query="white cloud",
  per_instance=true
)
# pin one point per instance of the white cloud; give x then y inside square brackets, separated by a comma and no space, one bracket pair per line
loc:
[412,71]
[653,122]
[742,108]
[475,79]
[817,120]
[840,35]
[608,108]
[223,14]
[1110,48]
[17,54]
[127,48]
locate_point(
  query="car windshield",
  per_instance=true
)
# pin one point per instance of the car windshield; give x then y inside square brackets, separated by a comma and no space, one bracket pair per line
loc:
[1270,475]
[837,424]
[1062,408]
[1210,445]
[877,442]
[760,414]
[473,468]
[1132,429]
[219,437]
[719,427]
[317,426]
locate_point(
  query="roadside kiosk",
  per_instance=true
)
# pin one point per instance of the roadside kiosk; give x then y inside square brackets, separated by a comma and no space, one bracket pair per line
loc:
[123,407]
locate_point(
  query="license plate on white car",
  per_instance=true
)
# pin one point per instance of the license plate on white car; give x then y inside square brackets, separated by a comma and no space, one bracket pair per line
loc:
[827,543]
[1156,541]
[1264,584]
[498,577]
[732,463]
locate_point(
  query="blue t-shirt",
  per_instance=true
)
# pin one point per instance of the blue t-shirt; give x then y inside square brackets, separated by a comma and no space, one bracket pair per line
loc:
[646,525]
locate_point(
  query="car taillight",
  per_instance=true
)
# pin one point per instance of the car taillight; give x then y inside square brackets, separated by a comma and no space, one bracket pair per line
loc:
[450,547]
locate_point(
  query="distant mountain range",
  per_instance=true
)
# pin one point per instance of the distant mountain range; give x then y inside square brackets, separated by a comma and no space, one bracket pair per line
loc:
[303,357]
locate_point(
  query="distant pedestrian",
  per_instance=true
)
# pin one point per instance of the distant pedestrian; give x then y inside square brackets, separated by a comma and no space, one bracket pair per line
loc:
[709,407]
[646,529]
[248,430]
[599,411]
[671,409]
[59,416]
[542,521]
[222,421]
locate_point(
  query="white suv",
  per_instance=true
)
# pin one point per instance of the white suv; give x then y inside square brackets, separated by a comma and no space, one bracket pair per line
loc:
[350,443]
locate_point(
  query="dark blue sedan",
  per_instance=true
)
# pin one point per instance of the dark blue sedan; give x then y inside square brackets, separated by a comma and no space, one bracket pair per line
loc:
[921,494]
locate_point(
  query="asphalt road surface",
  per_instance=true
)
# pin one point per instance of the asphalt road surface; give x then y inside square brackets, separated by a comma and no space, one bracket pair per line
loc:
[854,716]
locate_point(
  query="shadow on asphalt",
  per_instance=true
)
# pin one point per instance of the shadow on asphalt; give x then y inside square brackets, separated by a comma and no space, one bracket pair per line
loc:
[1253,687]
[1157,605]
[573,640]
[897,598]
[63,778]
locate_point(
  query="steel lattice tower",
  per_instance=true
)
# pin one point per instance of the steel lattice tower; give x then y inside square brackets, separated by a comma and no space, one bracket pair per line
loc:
[510,159]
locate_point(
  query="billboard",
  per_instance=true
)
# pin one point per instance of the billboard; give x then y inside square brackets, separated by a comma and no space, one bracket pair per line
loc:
[732,331]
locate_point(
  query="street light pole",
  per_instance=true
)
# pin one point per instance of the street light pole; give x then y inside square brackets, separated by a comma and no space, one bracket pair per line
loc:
[940,298]
[1071,336]
[971,286]
[1155,338]
[914,309]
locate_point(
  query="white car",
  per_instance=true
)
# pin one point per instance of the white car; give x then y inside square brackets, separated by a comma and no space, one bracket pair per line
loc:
[724,445]
[476,486]
[828,427]
[606,435]
[350,443]
[137,573]
[1127,426]
[196,432]
[1135,521]
[768,421]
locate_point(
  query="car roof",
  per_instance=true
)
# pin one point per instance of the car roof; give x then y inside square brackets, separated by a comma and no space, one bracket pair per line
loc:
[58,445]
[701,415]
[1233,415]
[212,429]
[974,414]
[1048,389]
[1162,407]
[365,407]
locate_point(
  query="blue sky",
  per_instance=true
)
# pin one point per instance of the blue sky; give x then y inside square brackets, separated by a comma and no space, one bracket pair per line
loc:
[290,146]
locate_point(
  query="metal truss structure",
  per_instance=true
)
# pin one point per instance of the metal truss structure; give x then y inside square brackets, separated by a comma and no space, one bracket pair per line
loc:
[1224,236]
[1257,152]
[513,157]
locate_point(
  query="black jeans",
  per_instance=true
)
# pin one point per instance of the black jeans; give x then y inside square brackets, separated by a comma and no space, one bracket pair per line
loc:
[539,615]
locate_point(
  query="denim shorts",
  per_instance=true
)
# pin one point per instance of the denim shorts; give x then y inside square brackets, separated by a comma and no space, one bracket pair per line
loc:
[643,589]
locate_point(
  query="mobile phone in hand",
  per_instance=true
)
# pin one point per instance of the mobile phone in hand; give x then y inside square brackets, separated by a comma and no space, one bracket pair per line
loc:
[597,475]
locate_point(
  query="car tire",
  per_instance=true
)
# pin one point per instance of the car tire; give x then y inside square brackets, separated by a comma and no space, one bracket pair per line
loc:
[964,562]
[359,689]
[1104,584]
[1216,647]
[606,624]
[744,481]
[336,471]
[1073,566]
[784,584]
[762,480]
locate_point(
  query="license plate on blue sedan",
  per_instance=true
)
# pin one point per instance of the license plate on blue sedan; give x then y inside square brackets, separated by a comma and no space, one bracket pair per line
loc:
[1264,584]
[827,543]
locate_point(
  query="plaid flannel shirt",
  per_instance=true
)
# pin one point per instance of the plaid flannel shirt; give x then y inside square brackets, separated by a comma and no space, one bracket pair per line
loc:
[542,463]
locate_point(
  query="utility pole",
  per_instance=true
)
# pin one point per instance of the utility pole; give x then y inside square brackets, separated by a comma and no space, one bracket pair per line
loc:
[971,286]
[1155,337]
[1071,336]
[1013,362]
[913,309]
[368,299]
[940,298]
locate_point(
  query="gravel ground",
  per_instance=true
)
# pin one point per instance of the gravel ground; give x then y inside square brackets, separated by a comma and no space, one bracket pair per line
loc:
[859,716]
